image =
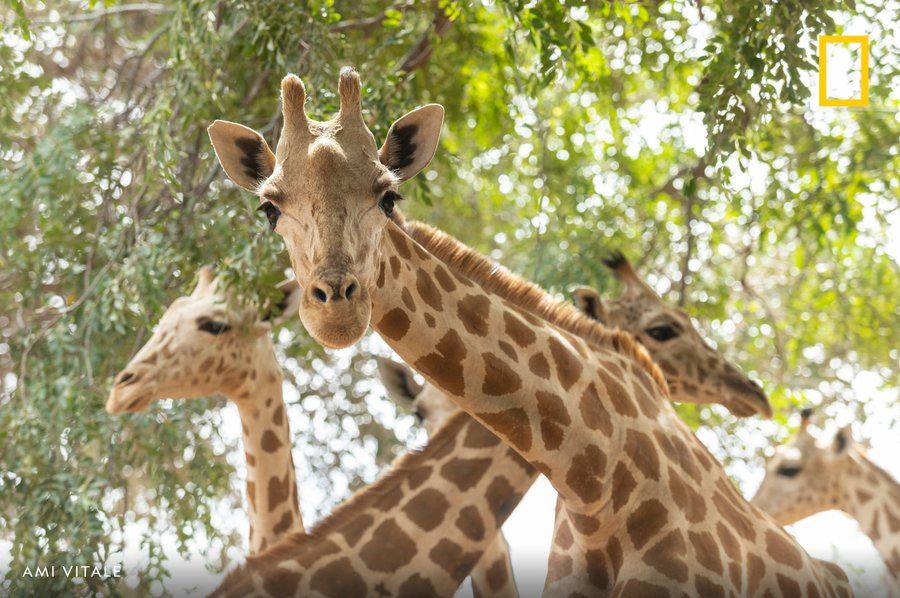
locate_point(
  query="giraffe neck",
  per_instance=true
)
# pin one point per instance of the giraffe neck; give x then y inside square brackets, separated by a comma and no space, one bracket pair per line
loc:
[873,499]
[493,574]
[272,502]
[630,474]
[419,530]
[544,391]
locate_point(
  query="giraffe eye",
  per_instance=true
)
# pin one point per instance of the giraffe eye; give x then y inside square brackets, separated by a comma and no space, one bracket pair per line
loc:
[662,333]
[387,201]
[788,471]
[272,213]
[213,327]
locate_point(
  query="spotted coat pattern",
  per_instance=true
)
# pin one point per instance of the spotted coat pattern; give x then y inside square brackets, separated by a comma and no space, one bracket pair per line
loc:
[418,531]
[493,574]
[184,360]
[545,390]
[695,371]
[803,478]
[671,483]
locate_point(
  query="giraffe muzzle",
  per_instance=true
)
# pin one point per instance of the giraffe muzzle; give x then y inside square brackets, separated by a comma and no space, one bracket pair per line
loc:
[335,308]
[332,288]
[126,395]
[126,378]
[749,397]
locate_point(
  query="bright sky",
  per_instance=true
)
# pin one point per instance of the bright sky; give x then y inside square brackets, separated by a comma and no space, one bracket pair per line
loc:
[831,535]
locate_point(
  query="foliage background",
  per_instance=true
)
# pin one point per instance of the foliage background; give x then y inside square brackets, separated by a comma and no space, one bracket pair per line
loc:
[681,133]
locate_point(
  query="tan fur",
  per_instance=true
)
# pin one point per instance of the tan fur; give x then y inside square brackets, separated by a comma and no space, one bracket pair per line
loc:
[578,411]
[527,296]
[838,476]
[181,361]
[695,371]
[291,550]
[361,500]
[493,575]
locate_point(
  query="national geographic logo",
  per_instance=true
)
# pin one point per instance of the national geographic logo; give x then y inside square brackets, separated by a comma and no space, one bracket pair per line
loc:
[848,82]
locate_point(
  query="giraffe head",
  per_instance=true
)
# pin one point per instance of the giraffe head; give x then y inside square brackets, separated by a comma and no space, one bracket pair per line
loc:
[431,406]
[803,477]
[200,347]
[696,372]
[328,190]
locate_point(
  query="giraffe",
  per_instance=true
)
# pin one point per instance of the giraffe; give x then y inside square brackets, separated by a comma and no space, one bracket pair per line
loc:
[202,347]
[695,359]
[641,312]
[584,405]
[433,409]
[417,531]
[803,478]
[695,372]
[183,334]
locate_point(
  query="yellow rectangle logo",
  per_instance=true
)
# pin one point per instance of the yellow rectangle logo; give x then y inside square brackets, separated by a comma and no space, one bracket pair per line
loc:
[863,42]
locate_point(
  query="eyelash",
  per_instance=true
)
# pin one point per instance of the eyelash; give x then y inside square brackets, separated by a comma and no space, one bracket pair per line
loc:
[387,201]
[272,213]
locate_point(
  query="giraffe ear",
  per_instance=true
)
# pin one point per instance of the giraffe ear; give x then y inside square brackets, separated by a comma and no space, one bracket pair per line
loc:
[243,153]
[588,302]
[289,304]
[398,381]
[412,141]
[843,441]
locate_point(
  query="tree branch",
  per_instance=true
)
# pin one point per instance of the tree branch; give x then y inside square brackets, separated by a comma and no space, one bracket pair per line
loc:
[421,51]
[150,7]
[751,292]
[369,24]
[694,173]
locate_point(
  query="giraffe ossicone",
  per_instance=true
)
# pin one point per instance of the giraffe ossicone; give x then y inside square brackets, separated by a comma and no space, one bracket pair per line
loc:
[333,252]
[203,347]
[652,512]
[806,476]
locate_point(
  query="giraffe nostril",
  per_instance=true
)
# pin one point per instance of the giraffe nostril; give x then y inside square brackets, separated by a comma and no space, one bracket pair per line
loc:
[320,295]
[126,377]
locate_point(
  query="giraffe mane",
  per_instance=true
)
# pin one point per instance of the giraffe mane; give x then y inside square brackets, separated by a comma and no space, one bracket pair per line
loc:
[529,297]
[292,545]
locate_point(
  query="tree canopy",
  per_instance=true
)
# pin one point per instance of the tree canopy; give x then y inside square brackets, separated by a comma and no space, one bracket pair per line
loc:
[682,133]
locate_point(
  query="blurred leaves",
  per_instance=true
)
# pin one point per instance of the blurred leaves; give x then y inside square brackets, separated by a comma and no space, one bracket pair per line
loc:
[678,133]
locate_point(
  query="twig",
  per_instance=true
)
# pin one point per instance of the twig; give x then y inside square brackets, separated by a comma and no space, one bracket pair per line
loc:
[421,51]
[140,57]
[695,173]
[368,24]
[150,7]
[770,315]
[23,361]
[688,207]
